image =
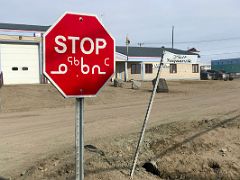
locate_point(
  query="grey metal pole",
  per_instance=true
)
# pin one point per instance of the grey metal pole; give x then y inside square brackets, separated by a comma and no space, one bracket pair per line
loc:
[79,140]
[172,36]
[42,77]
[146,120]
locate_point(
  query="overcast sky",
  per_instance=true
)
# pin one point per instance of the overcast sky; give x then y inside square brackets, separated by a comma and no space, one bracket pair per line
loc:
[146,21]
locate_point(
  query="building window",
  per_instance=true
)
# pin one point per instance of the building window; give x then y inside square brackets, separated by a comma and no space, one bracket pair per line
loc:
[135,68]
[14,68]
[173,68]
[195,68]
[148,68]
[25,68]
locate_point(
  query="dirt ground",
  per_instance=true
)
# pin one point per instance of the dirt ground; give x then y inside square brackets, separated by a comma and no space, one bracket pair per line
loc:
[193,132]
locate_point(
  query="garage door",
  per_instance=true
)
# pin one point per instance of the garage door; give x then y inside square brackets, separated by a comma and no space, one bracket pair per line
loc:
[20,63]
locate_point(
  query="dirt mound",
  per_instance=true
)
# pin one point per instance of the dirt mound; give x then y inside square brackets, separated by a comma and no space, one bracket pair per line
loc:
[206,149]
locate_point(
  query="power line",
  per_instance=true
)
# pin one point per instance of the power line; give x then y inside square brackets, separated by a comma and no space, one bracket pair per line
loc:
[189,42]
[202,50]
[219,54]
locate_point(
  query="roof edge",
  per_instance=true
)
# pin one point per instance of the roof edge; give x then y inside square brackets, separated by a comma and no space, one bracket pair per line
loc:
[23,27]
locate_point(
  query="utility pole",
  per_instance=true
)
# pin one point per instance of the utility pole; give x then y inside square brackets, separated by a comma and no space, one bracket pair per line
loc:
[172,36]
[127,44]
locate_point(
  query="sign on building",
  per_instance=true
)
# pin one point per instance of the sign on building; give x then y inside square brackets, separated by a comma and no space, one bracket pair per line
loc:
[171,58]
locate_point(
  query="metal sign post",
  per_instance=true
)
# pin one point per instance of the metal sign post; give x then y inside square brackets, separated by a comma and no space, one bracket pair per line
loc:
[146,119]
[79,139]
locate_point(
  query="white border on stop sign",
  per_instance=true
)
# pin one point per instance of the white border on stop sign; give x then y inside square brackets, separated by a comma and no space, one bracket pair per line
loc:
[46,75]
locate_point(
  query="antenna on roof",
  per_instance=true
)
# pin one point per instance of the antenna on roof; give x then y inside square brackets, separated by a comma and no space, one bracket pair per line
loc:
[101,17]
[140,44]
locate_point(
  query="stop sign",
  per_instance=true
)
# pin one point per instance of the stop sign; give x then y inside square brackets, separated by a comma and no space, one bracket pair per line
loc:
[78,55]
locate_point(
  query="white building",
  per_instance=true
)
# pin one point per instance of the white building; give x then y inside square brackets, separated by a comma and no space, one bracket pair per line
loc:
[141,63]
[21,56]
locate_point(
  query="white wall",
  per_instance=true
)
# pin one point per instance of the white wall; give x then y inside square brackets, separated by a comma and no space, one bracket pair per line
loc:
[20,63]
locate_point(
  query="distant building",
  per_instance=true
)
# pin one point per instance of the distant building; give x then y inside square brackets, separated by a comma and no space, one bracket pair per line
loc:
[227,65]
[21,56]
[141,63]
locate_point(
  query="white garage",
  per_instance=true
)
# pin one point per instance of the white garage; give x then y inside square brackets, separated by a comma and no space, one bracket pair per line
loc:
[20,63]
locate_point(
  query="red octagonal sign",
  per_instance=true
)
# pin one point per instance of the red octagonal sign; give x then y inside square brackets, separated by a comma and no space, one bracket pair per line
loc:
[79,55]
